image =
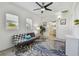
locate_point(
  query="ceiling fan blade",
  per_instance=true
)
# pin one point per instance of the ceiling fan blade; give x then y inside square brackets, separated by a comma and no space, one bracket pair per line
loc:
[38,4]
[48,4]
[37,9]
[48,9]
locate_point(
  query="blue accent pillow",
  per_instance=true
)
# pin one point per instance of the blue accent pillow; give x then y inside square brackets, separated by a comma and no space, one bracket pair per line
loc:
[27,37]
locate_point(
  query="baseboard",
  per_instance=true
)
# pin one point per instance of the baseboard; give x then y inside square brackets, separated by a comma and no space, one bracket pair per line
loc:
[6,49]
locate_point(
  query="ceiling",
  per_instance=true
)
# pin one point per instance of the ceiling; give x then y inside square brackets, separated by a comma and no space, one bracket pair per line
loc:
[56,6]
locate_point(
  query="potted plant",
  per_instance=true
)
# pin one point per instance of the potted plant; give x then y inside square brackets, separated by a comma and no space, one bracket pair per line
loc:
[42,29]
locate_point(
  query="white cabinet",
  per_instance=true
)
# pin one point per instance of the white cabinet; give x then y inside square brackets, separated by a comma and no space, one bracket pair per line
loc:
[72,46]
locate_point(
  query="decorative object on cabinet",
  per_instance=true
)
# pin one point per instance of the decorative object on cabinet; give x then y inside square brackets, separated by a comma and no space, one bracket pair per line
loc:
[11,21]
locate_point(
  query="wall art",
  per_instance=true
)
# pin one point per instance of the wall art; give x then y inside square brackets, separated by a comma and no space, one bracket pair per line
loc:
[11,21]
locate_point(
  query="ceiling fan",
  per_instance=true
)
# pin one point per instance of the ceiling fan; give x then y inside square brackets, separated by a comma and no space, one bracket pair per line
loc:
[43,7]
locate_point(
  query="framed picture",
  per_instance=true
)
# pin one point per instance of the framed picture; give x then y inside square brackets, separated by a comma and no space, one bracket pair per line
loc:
[11,21]
[63,21]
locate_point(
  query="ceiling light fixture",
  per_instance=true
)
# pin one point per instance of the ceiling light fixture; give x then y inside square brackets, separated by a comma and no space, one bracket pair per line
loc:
[43,9]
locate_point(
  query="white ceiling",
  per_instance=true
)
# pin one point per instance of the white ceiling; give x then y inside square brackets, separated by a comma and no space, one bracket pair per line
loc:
[56,6]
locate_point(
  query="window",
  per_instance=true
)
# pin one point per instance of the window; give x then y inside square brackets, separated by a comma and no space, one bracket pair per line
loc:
[28,24]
